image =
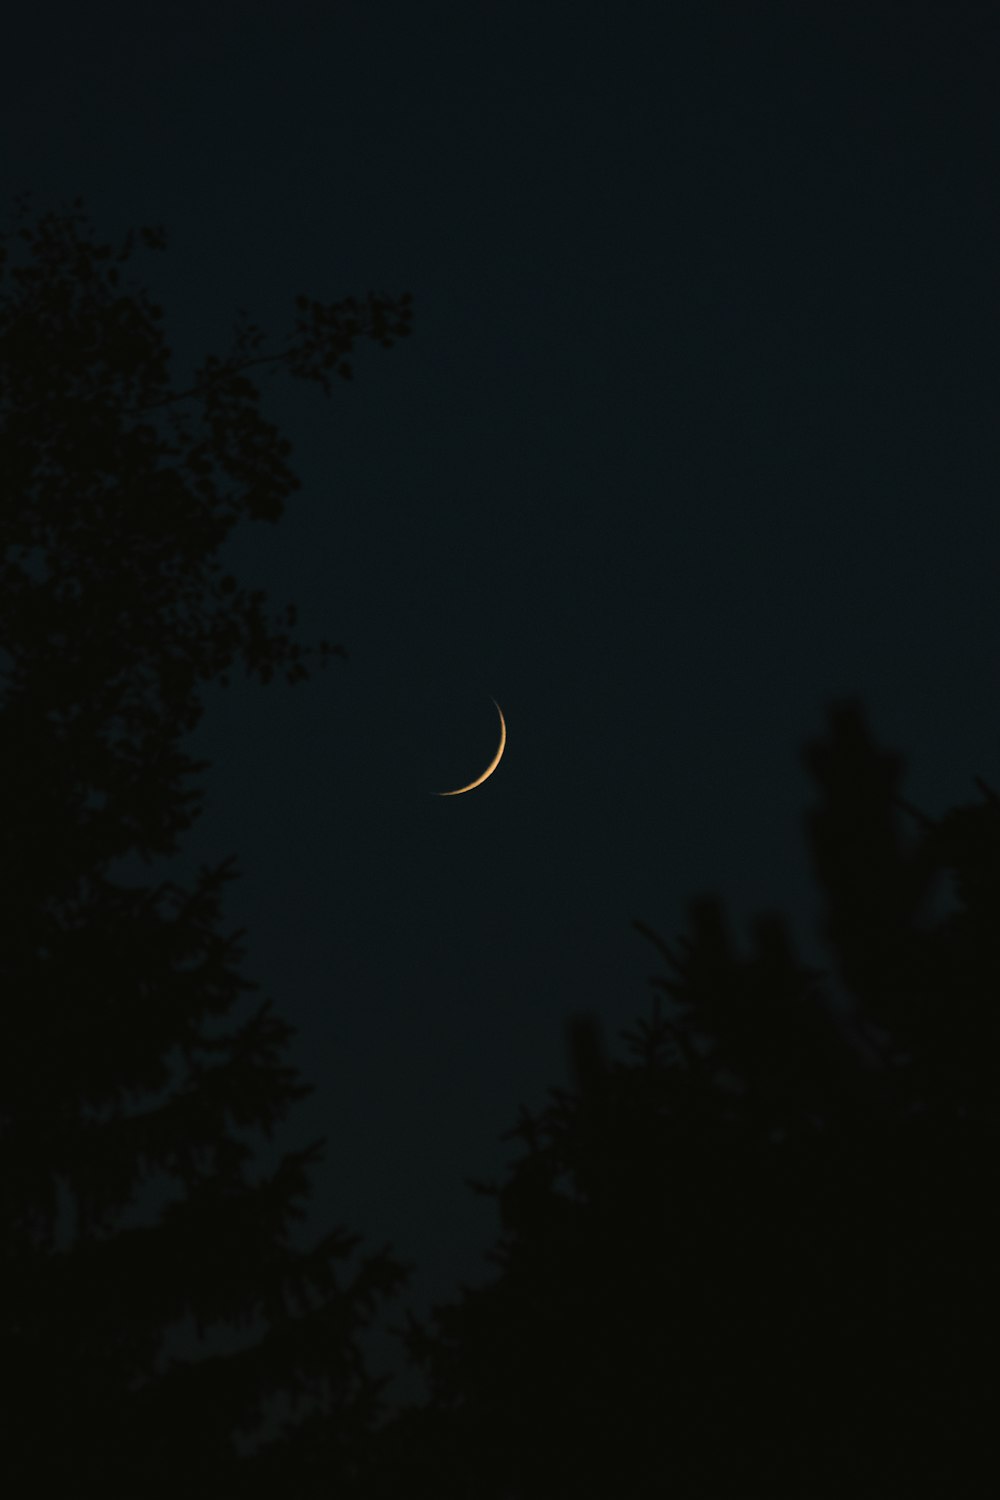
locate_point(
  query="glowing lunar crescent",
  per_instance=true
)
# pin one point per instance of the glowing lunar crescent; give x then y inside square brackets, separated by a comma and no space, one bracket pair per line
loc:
[490,768]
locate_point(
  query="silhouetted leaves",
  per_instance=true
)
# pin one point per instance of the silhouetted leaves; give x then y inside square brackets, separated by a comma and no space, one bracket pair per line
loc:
[131,1081]
[756,1258]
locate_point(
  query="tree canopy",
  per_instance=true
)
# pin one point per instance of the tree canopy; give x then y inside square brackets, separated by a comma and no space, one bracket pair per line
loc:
[755,1256]
[135,1077]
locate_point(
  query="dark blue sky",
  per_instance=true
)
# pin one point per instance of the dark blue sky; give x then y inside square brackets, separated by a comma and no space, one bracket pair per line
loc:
[697,430]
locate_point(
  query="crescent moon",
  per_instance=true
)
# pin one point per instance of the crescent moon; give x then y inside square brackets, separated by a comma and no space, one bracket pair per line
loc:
[492,765]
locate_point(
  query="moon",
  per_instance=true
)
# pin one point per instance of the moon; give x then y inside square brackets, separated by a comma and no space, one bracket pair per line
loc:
[492,765]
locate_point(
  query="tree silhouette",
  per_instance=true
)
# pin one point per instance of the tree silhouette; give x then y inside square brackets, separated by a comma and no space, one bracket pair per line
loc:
[134,1080]
[755,1258]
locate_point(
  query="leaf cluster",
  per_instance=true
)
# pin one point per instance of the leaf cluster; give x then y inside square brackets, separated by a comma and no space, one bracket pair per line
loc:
[135,1084]
[755,1255]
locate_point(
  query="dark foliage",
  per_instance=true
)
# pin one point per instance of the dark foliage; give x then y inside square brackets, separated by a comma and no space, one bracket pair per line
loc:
[133,1077]
[756,1258]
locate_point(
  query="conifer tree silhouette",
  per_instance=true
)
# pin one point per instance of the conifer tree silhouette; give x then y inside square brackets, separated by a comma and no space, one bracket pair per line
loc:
[130,1079]
[756,1257]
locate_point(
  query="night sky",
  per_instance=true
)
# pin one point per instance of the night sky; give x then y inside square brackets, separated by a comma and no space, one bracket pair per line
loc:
[697,431]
